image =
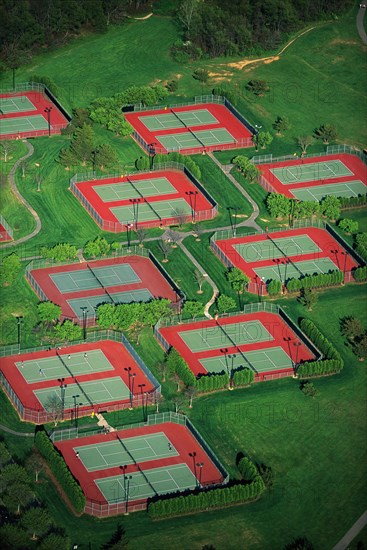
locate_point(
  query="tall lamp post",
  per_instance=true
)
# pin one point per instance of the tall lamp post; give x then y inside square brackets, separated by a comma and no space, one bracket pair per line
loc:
[129,227]
[200,466]
[232,358]
[298,345]
[127,489]
[84,314]
[75,397]
[19,320]
[48,110]
[131,385]
[63,387]
[257,128]
[135,203]
[193,456]
[141,386]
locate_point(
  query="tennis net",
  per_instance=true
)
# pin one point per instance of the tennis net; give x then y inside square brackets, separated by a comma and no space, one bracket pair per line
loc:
[236,346]
[285,255]
[188,127]
[144,199]
[75,380]
[100,283]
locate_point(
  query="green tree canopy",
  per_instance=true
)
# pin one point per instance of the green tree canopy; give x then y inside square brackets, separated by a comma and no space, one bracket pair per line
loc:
[225,303]
[68,331]
[193,309]
[48,311]
[10,269]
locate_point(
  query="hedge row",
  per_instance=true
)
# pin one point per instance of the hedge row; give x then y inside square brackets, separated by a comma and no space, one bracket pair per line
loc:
[360,274]
[60,471]
[182,159]
[207,382]
[248,469]
[319,368]
[205,500]
[350,202]
[316,281]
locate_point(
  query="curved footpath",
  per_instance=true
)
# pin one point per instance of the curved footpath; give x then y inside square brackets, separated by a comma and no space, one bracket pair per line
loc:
[360,25]
[22,199]
[13,432]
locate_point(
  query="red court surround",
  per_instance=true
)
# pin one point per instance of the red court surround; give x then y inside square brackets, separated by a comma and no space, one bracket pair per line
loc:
[355,165]
[40,101]
[4,235]
[330,248]
[277,327]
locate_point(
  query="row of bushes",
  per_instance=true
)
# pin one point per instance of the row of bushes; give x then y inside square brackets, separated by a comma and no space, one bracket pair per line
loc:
[319,368]
[60,471]
[360,274]
[350,202]
[316,281]
[361,245]
[207,382]
[205,500]
[182,159]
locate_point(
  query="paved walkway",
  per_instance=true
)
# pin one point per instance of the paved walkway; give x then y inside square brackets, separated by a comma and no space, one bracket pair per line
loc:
[22,199]
[360,25]
[352,533]
[13,432]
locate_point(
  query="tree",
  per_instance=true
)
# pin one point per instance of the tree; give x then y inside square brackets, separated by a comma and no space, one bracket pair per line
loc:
[279,206]
[82,145]
[200,280]
[165,248]
[360,347]
[48,312]
[225,303]
[35,464]
[330,207]
[263,139]
[303,142]
[54,540]
[106,315]
[348,225]
[299,543]
[308,298]
[68,331]
[67,158]
[9,270]
[309,389]
[201,75]
[248,169]
[5,456]
[258,87]
[36,521]
[91,249]
[326,132]
[17,495]
[118,540]
[54,408]
[105,156]
[237,279]
[13,538]
[161,366]
[141,235]
[351,328]
[180,216]
[186,13]
[274,287]
[7,148]
[193,309]
[178,402]
[177,381]
[190,392]
[281,125]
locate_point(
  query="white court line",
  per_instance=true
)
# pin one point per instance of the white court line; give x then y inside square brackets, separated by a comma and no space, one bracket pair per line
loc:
[174,481]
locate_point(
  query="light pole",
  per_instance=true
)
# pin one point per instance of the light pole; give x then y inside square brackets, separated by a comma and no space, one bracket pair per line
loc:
[225,351]
[200,466]
[75,397]
[298,345]
[38,177]
[19,320]
[131,385]
[152,153]
[288,340]
[256,136]
[129,227]
[84,313]
[141,386]
[135,203]
[63,387]
[335,252]
[127,479]
[123,469]
[48,110]
[345,261]
[193,456]
[232,357]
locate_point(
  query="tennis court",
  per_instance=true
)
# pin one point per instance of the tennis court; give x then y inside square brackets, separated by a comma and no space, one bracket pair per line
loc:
[134,188]
[16,104]
[22,124]
[157,481]
[202,138]
[91,302]
[96,277]
[344,189]
[277,248]
[269,359]
[54,367]
[147,210]
[178,119]
[311,172]
[231,334]
[105,390]
[125,451]
[286,271]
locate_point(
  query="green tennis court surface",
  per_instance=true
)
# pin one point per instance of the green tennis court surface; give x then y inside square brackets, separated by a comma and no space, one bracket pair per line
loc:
[148,211]
[22,124]
[84,279]
[181,119]
[343,189]
[203,138]
[228,335]
[91,302]
[159,481]
[265,250]
[262,360]
[52,368]
[102,391]
[16,104]
[296,269]
[126,190]
[133,449]
[311,172]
